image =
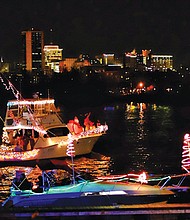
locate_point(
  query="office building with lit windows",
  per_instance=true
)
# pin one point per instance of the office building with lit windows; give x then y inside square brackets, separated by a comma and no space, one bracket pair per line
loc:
[32,51]
[162,62]
[148,61]
[53,56]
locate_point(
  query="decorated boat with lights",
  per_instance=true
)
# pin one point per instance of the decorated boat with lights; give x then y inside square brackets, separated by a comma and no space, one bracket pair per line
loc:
[33,131]
[80,193]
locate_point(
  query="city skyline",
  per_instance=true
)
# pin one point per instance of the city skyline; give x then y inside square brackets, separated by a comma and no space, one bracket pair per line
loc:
[95,27]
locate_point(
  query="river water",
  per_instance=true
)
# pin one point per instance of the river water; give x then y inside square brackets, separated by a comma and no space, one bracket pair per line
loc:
[141,137]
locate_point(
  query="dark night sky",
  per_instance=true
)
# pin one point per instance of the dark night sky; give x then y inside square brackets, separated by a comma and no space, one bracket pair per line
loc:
[97,26]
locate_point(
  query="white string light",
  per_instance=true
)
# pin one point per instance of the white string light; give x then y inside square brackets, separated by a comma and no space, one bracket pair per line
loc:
[186,153]
[70,147]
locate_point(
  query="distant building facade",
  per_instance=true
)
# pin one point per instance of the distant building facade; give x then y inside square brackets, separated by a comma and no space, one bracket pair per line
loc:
[108,59]
[53,56]
[130,59]
[32,51]
[67,64]
[148,61]
[162,62]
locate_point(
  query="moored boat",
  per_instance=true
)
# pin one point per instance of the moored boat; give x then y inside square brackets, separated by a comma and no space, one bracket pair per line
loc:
[95,193]
[33,130]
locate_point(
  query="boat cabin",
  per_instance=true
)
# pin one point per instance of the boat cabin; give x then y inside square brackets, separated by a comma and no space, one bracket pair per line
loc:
[32,118]
[26,112]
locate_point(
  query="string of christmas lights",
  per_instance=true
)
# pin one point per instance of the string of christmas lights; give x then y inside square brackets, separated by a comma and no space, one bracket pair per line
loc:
[70,147]
[10,87]
[71,153]
[186,153]
[13,155]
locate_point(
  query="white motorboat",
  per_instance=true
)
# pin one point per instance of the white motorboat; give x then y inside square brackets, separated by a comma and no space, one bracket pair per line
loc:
[33,130]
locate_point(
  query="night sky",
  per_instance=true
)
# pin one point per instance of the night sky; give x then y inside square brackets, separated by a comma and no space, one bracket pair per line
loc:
[99,26]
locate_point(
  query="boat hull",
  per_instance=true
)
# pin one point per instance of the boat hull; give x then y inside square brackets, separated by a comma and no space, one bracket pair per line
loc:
[85,201]
[82,146]
[43,156]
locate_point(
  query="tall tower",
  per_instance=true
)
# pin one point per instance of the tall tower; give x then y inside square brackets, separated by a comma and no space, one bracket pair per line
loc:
[32,50]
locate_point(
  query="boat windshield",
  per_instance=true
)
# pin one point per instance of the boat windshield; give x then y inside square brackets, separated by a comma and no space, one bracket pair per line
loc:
[61,131]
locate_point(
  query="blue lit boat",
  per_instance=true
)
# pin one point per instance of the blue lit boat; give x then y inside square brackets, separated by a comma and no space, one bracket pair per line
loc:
[90,194]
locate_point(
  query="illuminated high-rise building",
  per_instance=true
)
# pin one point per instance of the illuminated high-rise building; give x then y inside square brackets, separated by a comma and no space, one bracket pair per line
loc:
[162,62]
[32,51]
[53,55]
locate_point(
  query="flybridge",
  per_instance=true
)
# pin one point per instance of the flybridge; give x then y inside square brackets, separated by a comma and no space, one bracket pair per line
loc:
[27,111]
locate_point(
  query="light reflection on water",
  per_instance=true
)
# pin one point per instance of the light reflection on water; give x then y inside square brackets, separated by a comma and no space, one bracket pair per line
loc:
[135,119]
[144,137]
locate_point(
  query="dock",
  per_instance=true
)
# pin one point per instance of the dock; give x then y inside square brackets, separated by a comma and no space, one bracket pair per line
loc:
[152,211]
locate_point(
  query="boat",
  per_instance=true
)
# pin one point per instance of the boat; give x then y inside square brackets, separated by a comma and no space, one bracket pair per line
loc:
[34,131]
[109,192]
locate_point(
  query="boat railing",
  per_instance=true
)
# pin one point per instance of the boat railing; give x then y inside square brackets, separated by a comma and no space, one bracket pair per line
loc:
[169,181]
[99,130]
[161,182]
[140,178]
